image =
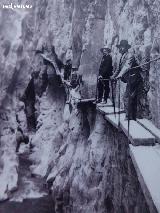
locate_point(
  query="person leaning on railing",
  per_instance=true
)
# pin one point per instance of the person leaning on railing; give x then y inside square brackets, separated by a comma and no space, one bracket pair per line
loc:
[130,76]
[105,72]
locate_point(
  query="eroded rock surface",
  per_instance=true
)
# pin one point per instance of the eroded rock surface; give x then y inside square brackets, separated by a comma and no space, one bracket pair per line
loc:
[89,166]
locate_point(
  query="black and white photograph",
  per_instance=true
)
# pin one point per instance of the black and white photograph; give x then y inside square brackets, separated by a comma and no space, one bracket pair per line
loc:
[79,106]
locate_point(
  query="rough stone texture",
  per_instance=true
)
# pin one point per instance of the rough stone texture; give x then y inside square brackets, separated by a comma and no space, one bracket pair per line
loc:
[86,160]
[90,166]
[137,21]
[125,194]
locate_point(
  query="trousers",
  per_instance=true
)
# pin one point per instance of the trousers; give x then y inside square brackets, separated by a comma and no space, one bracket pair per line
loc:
[103,90]
[131,99]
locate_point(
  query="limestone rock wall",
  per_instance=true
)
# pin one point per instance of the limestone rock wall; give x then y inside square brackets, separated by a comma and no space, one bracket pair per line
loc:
[90,169]
[84,158]
[83,26]
[137,22]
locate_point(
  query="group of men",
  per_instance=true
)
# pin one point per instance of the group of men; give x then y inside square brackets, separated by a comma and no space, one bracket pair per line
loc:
[127,72]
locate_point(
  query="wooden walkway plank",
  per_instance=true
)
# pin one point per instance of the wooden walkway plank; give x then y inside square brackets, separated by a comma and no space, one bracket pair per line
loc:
[86,100]
[146,160]
[108,104]
[150,127]
[137,134]
[114,119]
[106,110]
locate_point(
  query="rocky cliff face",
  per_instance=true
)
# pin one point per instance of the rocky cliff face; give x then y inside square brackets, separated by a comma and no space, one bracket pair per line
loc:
[78,149]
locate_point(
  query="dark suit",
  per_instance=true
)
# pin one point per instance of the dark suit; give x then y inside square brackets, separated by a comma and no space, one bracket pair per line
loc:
[105,71]
[134,84]
[67,70]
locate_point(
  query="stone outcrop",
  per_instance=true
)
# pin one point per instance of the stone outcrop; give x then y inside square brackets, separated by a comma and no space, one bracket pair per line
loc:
[80,151]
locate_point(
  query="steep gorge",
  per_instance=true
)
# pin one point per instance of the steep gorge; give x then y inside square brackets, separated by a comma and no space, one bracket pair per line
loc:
[87,158]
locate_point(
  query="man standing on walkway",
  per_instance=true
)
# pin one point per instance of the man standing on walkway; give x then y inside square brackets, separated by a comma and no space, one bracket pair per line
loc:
[130,76]
[76,78]
[67,69]
[105,72]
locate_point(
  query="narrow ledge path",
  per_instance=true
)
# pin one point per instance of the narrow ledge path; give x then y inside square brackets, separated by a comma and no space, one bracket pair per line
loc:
[144,147]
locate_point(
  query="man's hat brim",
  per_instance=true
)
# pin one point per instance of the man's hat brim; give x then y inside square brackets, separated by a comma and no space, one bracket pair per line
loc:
[128,46]
[105,48]
[74,68]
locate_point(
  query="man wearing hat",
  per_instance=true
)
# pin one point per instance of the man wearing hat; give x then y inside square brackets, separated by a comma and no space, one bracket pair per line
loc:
[105,72]
[67,69]
[76,79]
[130,76]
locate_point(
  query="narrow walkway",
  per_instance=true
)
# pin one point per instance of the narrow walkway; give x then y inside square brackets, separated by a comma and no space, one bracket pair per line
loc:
[31,196]
[137,134]
[144,147]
